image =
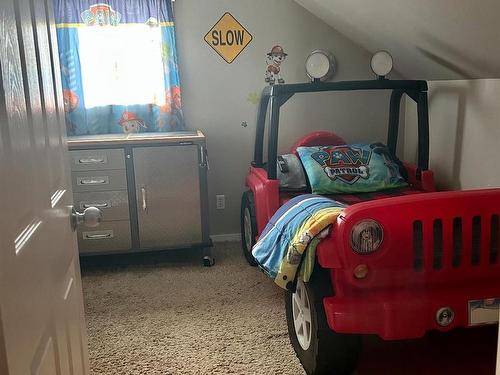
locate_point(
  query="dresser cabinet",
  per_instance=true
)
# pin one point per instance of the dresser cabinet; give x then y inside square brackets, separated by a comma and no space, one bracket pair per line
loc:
[151,189]
[169,198]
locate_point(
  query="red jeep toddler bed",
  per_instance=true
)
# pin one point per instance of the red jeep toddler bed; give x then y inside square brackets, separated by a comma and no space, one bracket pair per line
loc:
[435,266]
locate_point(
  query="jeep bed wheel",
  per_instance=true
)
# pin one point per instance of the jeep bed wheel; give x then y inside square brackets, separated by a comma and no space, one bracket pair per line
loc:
[248,226]
[319,349]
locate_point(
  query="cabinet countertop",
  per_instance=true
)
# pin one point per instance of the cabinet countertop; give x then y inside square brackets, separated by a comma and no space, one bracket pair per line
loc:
[142,139]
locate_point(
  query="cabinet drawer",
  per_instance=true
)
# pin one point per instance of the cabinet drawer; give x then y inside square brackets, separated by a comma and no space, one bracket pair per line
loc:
[88,160]
[108,236]
[99,180]
[113,204]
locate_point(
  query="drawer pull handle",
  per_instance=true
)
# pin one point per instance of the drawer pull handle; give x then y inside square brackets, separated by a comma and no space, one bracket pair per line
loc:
[144,199]
[98,205]
[92,161]
[93,181]
[97,236]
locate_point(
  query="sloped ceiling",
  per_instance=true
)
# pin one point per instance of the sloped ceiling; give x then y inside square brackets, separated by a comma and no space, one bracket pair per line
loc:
[429,39]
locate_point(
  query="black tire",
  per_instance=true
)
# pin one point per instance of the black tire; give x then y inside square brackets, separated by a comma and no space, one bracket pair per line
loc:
[329,352]
[248,204]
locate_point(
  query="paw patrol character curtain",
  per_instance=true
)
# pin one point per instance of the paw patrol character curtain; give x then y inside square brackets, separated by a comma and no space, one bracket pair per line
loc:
[118,66]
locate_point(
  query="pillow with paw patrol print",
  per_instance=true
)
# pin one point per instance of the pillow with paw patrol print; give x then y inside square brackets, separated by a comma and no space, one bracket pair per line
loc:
[356,168]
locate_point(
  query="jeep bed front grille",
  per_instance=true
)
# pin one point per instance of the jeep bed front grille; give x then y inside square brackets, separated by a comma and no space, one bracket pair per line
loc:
[468,244]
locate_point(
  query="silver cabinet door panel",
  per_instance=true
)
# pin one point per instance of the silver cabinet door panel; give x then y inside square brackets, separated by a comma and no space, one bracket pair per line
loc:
[99,180]
[113,204]
[107,237]
[168,195]
[100,159]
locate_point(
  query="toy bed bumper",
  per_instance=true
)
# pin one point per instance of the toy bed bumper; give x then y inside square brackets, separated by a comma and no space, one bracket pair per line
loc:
[411,313]
[440,255]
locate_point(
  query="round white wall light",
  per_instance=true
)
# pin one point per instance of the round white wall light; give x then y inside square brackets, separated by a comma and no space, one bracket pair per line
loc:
[381,63]
[320,65]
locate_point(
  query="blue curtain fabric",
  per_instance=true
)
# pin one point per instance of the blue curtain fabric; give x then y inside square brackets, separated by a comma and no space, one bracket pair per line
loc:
[118,66]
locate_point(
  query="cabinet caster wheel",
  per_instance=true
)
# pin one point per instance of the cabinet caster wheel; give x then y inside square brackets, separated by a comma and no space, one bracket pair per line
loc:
[208,261]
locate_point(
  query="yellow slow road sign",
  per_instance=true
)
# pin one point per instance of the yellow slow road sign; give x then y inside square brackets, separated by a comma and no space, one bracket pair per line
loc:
[228,38]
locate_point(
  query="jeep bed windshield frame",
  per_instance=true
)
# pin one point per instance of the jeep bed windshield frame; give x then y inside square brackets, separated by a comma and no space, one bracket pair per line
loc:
[277,95]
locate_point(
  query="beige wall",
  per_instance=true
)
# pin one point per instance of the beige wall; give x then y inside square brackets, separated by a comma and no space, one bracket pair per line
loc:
[215,93]
[429,39]
[464,131]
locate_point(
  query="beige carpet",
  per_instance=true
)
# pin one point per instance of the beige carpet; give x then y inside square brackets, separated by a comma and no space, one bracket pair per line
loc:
[176,317]
[173,316]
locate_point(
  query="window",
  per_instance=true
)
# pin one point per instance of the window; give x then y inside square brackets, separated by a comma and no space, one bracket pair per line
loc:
[122,65]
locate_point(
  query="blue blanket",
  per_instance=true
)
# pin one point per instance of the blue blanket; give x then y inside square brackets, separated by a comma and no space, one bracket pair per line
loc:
[281,247]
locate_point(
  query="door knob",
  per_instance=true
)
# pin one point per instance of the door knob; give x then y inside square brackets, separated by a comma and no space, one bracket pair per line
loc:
[90,217]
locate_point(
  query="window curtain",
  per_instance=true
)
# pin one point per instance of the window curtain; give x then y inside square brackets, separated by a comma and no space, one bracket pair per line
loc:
[118,66]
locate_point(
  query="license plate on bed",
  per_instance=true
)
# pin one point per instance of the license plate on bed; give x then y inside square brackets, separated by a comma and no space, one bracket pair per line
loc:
[483,311]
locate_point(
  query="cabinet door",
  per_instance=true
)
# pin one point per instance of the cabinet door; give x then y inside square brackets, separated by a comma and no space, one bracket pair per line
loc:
[168,195]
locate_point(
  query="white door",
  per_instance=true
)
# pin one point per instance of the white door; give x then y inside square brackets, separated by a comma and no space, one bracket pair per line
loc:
[42,327]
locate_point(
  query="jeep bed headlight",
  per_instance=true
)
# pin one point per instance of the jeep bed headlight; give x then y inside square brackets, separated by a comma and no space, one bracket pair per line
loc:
[366,236]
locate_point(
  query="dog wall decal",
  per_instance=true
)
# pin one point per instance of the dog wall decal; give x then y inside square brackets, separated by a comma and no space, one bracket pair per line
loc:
[274,60]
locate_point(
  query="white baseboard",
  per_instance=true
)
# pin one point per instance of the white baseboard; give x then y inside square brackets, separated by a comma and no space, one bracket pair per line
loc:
[229,237]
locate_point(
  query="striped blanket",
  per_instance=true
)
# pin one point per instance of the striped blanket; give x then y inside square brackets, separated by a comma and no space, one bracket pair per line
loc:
[295,227]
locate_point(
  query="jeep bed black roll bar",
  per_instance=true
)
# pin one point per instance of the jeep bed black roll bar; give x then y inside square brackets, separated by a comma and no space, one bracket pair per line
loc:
[277,95]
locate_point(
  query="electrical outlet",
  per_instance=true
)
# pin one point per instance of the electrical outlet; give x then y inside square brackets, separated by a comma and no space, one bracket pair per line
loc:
[221,201]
